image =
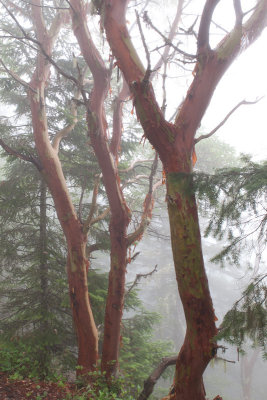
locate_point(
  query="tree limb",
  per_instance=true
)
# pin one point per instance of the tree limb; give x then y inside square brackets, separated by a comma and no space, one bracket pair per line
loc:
[135,163]
[68,128]
[167,40]
[117,120]
[101,216]
[148,205]
[148,69]
[204,27]
[17,78]
[87,222]
[241,103]
[138,277]
[156,374]
[170,38]
[238,12]
[15,153]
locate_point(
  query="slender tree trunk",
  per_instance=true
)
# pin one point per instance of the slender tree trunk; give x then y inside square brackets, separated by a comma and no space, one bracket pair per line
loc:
[199,347]
[77,263]
[115,297]
[43,354]
[87,335]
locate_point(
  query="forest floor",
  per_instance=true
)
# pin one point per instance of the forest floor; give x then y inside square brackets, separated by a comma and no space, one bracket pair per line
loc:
[27,389]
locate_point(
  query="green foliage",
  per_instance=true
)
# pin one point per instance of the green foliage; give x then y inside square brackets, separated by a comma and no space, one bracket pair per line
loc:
[117,388]
[140,352]
[248,317]
[18,357]
[234,200]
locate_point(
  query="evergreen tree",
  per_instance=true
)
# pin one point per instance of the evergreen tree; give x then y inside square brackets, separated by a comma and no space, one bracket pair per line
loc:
[235,202]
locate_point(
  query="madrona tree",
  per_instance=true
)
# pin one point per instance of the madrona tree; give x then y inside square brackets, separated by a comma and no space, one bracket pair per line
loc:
[174,142]
[48,132]
[175,145]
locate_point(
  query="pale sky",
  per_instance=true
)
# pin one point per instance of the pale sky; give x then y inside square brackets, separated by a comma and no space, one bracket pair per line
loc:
[246,79]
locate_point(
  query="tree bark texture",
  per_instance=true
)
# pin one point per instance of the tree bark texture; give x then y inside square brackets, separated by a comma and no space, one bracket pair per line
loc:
[199,346]
[77,263]
[43,353]
[107,158]
[175,146]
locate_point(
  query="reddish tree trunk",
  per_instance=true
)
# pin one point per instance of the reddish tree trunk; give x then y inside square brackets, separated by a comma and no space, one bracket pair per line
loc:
[107,158]
[175,145]
[199,347]
[77,263]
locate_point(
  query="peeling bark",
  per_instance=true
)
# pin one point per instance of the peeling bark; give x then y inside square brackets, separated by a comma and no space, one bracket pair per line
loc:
[175,145]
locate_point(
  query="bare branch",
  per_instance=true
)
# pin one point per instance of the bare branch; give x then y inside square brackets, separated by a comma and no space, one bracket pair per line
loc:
[154,377]
[148,206]
[101,216]
[17,78]
[133,180]
[243,102]
[95,247]
[81,203]
[14,18]
[223,359]
[68,128]
[138,278]
[16,7]
[148,69]
[134,164]
[167,41]
[117,120]
[238,12]
[87,222]
[17,154]
[204,27]
[53,31]
[171,35]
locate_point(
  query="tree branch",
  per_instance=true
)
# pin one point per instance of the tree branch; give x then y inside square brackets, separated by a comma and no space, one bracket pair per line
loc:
[243,102]
[167,40]
[87,222]
[101,216]
[138,278]
[15,153]
[170,38]
[148,68]
[117,120]
[134,164]
[154,377]
[238,12]
[204,27]
[17,78]
[148,206]
[68,128]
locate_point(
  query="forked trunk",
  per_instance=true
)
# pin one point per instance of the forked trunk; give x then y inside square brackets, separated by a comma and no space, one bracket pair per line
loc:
[199,347]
